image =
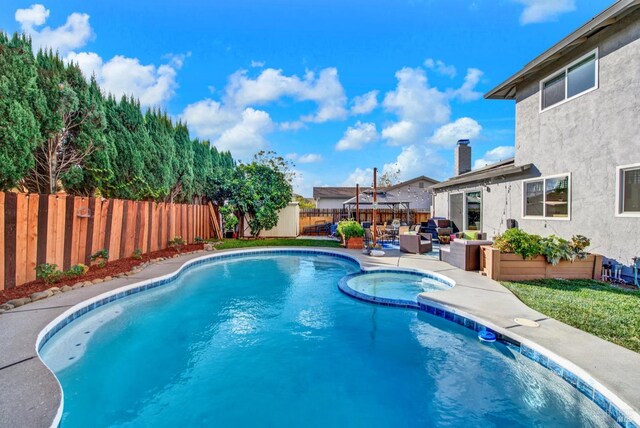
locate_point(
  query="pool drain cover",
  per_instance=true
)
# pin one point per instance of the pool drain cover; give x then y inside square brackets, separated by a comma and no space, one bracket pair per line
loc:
[525,322]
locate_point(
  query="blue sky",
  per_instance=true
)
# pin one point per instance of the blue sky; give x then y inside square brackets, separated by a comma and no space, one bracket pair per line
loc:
[337,87]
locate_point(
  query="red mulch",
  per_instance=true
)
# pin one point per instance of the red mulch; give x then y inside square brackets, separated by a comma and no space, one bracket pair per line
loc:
[112,269]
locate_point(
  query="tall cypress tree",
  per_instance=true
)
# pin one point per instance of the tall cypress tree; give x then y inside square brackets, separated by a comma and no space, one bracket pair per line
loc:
[21,104]
[160,160]
[182,188]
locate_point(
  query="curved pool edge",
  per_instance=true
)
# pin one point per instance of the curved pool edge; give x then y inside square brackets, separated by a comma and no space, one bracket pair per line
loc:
[621,412]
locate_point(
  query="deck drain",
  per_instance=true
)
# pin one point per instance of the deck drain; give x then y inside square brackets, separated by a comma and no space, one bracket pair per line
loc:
[525,322]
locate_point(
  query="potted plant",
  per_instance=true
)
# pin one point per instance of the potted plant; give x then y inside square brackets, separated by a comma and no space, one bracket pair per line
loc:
[229,220]
[352,233]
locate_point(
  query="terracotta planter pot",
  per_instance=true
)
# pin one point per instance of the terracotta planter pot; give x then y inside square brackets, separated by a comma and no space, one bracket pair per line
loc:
[355,243]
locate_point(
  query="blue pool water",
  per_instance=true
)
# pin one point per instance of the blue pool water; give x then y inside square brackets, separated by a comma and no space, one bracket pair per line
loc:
[271,341]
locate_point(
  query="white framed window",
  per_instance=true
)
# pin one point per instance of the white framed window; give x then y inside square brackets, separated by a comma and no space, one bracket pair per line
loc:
[547,198]
[628,190]
[577,78]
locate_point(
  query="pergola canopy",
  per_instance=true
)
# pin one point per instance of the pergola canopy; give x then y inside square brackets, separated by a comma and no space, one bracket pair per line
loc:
[388,199]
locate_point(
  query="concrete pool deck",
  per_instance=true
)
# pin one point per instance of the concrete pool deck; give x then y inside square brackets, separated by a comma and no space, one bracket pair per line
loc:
[30,395]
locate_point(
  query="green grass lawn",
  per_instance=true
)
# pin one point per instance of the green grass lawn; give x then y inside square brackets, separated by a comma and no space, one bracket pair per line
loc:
[600,309]
[276,242]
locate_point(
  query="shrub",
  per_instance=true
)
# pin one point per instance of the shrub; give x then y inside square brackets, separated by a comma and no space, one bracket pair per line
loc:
[350,229]
[552,247]
[77,270]
[198,240]
[177,242]
[556,249]
[49,273]
[100,257]
[137,254]
[519,242]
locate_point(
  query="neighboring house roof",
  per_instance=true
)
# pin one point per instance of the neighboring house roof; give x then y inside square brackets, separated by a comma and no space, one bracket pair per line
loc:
[507,89]
[348,192]
[413,180]
[382,198]
[499,169]
[335,192]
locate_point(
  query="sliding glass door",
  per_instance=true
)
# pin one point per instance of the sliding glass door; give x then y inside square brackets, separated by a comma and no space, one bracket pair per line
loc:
[465,210]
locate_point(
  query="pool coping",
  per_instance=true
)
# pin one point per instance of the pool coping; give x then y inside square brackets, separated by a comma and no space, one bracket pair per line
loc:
[617,408]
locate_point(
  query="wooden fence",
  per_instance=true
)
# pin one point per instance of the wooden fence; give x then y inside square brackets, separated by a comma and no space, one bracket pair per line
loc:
[66,230]
[309,217]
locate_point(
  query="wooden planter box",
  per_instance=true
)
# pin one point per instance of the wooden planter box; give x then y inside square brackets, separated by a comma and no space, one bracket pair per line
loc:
[355,243]
[512,267]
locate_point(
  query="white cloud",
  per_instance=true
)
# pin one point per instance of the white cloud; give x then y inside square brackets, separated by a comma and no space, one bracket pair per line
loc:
[494,155]
[467,91]
[363,177]
[34,16]
[403,132]
[240,131]
[463,128]
[417,105]
[355,137]
[536,11]
[75,32]
[127,76]
[257,64]
[307,158]
[247,136]
[364,104]
[415,160]
[440,67]
[291,126]
[324,89]
[415,100]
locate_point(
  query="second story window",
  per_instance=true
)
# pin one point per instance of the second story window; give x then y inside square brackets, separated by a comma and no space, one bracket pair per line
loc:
[576,79]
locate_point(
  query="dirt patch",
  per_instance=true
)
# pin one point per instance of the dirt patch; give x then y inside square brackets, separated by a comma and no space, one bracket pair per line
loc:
[112,269]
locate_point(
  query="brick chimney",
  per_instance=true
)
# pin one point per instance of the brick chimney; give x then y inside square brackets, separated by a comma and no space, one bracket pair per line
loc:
[462,158]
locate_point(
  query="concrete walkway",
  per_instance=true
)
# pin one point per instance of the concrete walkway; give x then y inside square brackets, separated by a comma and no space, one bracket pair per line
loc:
[30,394]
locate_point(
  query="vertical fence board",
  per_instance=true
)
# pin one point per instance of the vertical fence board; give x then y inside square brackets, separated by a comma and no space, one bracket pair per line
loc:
[52,228]
[2,241]
[43,231]
[149,229]
[91,227]
[32,237]
[160,226]
[60,227]
[103,237]
[10,240]
[69,215]
[116,229]
[22,210]
[82,230]
[183,222]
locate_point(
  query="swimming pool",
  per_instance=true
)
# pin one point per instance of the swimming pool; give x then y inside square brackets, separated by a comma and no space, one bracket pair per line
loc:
[269,340]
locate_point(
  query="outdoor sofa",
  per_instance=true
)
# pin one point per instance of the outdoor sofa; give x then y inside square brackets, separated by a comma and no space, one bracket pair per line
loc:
[463,253]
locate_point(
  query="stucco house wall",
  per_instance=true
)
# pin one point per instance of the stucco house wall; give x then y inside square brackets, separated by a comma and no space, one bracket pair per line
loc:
[588,137]
[330,203]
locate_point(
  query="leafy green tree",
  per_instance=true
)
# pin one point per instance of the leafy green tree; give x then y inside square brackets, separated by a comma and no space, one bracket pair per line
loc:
[21,104]
[261,189]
